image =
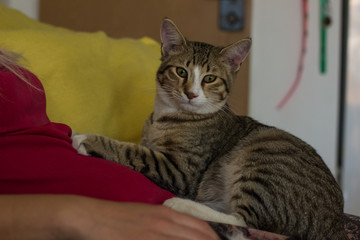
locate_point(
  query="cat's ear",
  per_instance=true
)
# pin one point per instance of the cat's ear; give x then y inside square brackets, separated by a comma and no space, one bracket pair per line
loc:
[234,54]
[171,38]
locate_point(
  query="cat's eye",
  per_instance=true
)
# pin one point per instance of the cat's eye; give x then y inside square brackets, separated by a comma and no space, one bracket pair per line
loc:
[209,78]
[181,72]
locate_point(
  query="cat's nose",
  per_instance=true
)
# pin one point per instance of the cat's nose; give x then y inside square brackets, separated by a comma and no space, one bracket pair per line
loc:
[191,95]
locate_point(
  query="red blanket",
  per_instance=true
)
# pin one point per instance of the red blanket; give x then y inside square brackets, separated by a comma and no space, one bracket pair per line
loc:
[36,155]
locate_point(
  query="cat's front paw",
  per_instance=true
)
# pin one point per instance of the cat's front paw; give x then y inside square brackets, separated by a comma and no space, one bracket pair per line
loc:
[77,143]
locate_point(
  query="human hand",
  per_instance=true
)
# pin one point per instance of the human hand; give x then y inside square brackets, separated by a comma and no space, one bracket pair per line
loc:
[94,219]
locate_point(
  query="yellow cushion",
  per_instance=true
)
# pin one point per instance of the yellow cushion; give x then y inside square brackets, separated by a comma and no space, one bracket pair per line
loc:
[93,83]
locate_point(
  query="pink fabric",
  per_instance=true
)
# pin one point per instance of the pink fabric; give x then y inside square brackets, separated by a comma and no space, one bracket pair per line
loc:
[36,155]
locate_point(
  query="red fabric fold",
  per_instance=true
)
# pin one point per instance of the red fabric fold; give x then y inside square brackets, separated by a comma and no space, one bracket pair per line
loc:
[36,155]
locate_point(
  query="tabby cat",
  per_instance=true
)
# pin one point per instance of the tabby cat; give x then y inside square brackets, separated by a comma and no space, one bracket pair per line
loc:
[194,146]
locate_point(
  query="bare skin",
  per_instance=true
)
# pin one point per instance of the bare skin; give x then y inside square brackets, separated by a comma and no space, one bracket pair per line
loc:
[75,217]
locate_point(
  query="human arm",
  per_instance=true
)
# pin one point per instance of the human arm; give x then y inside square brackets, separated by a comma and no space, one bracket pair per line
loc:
[75,217]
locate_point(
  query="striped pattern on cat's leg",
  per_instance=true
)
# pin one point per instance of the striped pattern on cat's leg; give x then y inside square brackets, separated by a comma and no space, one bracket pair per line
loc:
[158,167]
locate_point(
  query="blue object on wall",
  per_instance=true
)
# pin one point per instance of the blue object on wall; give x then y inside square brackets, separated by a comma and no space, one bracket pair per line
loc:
[232,15]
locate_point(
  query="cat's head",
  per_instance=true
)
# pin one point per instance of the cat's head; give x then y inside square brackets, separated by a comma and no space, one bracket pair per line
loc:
[196,77]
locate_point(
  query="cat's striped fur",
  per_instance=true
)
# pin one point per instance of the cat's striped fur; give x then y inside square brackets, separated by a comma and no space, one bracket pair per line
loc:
[195,147]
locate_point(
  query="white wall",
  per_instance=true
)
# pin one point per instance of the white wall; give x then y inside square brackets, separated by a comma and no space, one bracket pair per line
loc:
[28,7]
[312,112]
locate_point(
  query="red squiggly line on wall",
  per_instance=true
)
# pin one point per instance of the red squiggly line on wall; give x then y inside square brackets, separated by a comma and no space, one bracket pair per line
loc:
[294,86]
